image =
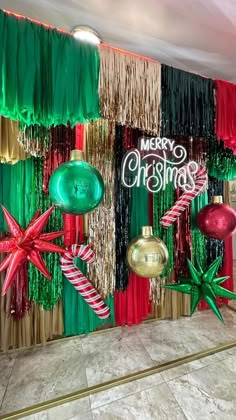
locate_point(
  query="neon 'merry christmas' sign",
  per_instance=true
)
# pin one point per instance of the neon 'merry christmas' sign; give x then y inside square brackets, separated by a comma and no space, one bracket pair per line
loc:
[157,162]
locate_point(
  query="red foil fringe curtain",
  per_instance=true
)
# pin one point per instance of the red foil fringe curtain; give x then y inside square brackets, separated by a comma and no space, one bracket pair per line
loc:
[63,141]
[79,220]
[73,225]
[226,113]
[20,302]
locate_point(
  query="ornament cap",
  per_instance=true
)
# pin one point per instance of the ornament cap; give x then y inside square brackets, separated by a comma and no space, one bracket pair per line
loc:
[147,231]
[76,155]
[217,199]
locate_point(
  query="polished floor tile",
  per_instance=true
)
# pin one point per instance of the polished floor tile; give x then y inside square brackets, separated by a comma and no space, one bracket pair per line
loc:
[166,341]
[6,367]
[230,363]
[157,403]
[79,409]
[181,370]
[207,393]
[31,376]
[44,373]
[120,391]
[114,354]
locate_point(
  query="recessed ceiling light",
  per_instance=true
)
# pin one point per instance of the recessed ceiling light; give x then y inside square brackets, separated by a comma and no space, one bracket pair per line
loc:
[85,33]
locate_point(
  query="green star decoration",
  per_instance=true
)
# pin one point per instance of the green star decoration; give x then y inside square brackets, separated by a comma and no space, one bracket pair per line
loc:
[203,285]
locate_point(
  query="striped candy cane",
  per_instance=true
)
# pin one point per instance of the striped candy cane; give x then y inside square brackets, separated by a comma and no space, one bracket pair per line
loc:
[185,199]
[79,281]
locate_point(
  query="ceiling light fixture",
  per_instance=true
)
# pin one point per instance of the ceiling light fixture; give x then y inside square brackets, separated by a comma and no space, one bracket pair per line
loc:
[85,33]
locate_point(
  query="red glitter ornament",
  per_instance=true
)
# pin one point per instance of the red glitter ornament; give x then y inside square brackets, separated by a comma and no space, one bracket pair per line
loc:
[217,220]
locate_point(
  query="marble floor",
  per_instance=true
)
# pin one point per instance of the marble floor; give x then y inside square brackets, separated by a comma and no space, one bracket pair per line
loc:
[203,389]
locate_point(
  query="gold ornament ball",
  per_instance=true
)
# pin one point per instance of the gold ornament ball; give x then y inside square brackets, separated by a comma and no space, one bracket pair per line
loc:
[147,256]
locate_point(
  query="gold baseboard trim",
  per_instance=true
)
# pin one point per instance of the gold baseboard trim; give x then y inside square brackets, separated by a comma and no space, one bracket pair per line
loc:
[231,308]
[46,405]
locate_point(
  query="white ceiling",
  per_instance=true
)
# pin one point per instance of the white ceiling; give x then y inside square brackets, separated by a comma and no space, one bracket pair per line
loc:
[195,35]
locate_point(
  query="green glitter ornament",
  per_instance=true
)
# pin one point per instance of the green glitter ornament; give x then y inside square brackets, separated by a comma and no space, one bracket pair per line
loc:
[76,186]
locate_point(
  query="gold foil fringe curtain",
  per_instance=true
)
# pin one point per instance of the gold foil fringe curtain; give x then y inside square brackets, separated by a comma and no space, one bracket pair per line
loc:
[101,222]
[35,139]
[129,89]
[10,150]
[36,327]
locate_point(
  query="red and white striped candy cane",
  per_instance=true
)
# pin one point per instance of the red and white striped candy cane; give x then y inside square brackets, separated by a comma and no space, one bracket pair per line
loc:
[185,199]
[79,281]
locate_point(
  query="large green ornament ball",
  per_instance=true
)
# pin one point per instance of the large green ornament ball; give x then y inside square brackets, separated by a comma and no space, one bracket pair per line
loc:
[77,187]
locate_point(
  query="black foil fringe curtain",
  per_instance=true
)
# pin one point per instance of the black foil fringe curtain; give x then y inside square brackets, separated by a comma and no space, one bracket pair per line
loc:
[215,247]
[182,241]
[122,213]
[125,139]
[221,161]
[187,103]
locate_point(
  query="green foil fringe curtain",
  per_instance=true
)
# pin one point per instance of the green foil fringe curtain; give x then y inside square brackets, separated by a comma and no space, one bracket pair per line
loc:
[187,104]
[215,247]
[221,161]
[22,194]
[199,253]
[45,292]
[46,77]
[17,184]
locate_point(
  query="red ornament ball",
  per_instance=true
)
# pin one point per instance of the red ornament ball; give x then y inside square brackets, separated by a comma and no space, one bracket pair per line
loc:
[217,221]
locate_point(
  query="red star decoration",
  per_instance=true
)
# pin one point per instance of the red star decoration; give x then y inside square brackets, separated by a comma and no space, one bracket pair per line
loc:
[27,245]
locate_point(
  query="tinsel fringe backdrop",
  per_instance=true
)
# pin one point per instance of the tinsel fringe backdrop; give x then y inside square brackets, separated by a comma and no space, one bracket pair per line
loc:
[137,96]
[101,222]
[129,89]
[10,150]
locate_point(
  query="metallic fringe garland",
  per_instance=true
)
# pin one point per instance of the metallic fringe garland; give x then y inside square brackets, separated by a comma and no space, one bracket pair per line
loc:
[215,247]
[10,150]
[182,241]
[122,211]
[129,90]
[187,103]
[199,241]
[62,142]
[221,161]
[45,292]
[35,139]
[100,153]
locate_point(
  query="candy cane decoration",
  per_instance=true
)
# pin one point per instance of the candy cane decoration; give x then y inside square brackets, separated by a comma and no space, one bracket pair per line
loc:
[79,281]
[185,199]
